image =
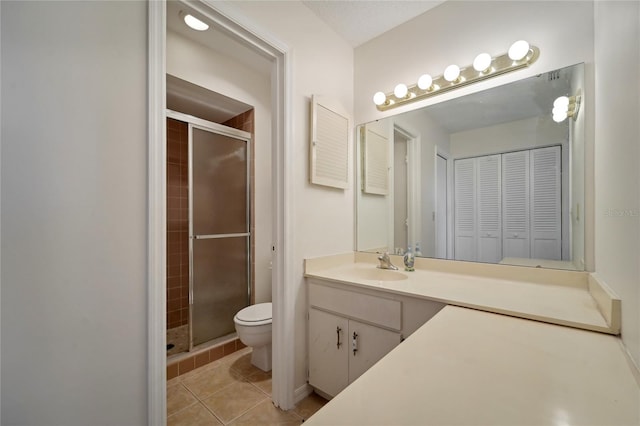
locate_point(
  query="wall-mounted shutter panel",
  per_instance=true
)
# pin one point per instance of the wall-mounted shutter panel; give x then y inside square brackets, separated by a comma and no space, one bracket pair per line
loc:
[489,209]
[465,209]
[329,162]
[546,229]
[515,204]
[375,164]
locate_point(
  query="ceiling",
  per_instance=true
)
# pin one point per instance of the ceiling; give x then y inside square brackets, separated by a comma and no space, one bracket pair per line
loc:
[358,21]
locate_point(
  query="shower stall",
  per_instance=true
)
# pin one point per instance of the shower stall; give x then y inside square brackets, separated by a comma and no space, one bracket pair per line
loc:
[211,227]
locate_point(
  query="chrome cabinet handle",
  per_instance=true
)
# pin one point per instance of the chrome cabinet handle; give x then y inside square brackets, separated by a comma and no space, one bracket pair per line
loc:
[354,343]
[338,330]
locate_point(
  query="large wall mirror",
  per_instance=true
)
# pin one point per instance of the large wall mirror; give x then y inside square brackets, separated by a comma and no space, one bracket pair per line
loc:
[487,177]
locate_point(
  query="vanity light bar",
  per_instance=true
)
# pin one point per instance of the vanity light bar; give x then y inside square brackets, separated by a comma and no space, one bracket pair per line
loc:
[520,55]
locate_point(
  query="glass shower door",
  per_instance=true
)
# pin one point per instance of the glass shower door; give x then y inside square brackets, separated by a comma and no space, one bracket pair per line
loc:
[219,232]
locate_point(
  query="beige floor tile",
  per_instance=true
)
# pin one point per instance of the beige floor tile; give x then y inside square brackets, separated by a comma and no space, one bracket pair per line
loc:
[242,365]
[262,381]
[211,381]
[195,415]
[308,406]
[234,400]
[267,414]
[178,398]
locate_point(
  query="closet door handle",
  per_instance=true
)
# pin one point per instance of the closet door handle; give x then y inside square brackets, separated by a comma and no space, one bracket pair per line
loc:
[338,330]
[354,343]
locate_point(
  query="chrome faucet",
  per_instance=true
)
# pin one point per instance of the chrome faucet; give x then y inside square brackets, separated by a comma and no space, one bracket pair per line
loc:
[385,262]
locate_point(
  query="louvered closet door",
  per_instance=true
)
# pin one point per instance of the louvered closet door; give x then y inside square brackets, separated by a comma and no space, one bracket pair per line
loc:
[515,205]
[546,229]
[489,209]
[465,209]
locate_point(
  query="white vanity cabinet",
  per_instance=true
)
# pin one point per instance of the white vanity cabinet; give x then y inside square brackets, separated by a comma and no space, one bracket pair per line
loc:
[350,329]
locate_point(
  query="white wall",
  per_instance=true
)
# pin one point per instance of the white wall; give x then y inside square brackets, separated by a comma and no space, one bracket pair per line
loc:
[617,153]
[74,176]
[374,232]
[322,64]
[513,136]
[207,68]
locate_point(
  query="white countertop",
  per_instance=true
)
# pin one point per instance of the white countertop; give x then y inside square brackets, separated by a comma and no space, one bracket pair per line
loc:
[512,293]
[467,367]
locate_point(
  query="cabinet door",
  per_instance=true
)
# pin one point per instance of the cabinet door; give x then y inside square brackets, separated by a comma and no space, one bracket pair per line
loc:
[371,344]
[328,352]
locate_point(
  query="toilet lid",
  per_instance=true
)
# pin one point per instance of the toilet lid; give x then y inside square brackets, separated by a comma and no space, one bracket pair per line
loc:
[254,313]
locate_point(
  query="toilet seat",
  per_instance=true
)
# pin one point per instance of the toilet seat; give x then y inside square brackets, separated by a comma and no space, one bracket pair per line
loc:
[255,315]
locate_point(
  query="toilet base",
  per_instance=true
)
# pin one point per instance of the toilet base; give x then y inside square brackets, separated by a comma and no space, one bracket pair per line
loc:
[261,357]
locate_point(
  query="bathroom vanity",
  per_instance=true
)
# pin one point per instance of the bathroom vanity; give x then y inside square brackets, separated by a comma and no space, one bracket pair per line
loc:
[472,353]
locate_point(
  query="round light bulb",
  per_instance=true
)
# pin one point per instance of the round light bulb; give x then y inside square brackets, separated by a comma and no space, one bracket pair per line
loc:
[518,50]
[452,72]
[425,82]
[195,23]
[562,101]
[482,62]
[400,91]
[559,117]
[559,110]
[379,98]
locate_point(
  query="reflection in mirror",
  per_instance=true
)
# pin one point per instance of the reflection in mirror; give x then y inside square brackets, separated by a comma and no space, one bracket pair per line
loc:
[487,177]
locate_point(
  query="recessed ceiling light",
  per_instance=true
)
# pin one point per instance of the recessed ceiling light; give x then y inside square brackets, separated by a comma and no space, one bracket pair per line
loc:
[193,22]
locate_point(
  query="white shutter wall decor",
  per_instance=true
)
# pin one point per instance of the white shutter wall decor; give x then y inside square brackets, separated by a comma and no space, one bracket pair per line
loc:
[375,163]
[329,150]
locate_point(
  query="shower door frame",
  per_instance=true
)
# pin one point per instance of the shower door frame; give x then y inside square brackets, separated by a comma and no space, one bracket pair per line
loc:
[219,129]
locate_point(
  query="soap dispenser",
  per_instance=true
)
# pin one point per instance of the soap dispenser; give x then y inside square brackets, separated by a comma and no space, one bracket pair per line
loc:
[408,260]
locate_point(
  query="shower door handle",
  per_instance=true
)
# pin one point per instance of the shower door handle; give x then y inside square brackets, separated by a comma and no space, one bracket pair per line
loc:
[214,236]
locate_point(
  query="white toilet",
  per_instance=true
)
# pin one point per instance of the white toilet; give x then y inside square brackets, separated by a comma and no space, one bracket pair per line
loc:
[253,325]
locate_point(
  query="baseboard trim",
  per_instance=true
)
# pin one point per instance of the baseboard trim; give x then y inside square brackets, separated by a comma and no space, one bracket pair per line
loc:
[302,392]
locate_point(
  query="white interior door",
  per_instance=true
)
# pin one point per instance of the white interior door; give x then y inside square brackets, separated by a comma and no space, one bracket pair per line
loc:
[489,194]
[441,207]
[515,205]
[546,225]
[465,209]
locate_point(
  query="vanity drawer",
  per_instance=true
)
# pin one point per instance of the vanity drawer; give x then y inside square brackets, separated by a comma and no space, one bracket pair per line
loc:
[372,309]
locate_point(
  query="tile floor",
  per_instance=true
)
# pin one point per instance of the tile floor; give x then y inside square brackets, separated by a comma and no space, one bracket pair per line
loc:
[231,391]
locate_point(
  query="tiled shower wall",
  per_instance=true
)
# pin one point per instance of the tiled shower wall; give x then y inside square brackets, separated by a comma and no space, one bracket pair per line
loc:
[177,224]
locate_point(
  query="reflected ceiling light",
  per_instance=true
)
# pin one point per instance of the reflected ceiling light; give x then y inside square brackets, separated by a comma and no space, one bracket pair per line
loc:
[518,50]
[482,62]
[401,91]
[564,107]
[425,82]
[520,55]
[452,73]
[193,22]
